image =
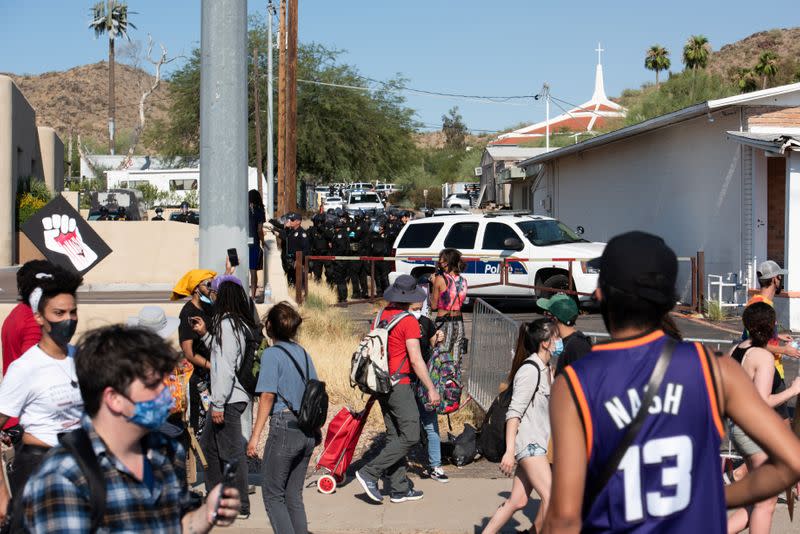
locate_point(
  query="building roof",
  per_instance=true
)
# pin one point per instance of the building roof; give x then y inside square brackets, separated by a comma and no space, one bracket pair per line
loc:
[784,95]
[772,142]
[513,153]
[584,118]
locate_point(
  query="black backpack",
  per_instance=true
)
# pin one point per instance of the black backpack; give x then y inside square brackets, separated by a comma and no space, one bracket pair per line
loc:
[313,410]
[250,365]
[492,439]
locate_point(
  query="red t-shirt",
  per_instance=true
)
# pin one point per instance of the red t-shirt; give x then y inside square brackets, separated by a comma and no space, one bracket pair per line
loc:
[406,329]
[19,333]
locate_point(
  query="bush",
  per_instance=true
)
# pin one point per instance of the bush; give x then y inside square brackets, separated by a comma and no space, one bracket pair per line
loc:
[32,195]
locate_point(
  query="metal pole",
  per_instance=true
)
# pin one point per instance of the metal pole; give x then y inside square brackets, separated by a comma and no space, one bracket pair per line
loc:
[223,132]
[547,114]
[270,199]
[259,161]
[701,275]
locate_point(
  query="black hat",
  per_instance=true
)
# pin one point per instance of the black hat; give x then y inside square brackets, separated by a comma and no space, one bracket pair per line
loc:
[640,264]
[159,210]
[293,216]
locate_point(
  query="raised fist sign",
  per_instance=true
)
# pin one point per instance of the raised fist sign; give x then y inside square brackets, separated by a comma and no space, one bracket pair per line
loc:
[61,235]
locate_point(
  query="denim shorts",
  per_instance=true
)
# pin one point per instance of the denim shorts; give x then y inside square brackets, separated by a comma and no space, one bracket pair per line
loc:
[533,449]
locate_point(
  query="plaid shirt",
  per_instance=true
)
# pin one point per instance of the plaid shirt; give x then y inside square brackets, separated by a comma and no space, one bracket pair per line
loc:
[56,498]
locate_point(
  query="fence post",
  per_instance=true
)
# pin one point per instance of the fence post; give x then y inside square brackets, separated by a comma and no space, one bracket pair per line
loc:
[569,278]
[695,306]
[299,277]
[701,277]
[372,288]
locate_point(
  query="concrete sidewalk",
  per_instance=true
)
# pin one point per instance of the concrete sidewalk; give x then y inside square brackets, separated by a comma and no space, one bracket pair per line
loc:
[463,506]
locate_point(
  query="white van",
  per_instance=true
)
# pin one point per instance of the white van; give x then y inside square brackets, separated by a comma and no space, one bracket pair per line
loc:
[492,237]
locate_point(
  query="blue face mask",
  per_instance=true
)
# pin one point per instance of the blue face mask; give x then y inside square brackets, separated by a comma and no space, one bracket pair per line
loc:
[558,349]
[205,299]
[153,413]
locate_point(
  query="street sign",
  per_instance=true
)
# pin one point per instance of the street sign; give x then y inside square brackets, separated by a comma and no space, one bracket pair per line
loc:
[65,238]
[478,171]
[425,193]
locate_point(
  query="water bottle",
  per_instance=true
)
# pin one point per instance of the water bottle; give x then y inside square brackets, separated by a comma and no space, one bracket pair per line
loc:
[267,294]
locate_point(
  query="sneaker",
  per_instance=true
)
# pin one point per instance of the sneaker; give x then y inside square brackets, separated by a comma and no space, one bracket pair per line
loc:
[370,486]
[410,495]
[438,474]
[243,516]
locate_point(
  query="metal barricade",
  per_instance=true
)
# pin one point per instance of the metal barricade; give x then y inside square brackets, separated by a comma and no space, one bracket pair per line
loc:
[494,339]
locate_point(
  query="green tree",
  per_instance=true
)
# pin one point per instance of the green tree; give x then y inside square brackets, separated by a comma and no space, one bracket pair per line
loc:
[111,18]
[455,131]
[696,52]
[767,66]
[342,134]
[657,59]
[746,80]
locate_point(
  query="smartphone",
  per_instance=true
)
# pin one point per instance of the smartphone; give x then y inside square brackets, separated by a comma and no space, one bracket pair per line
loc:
[233,257]
[228,477]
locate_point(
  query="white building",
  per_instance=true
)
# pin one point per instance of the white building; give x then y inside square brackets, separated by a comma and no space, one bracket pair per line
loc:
[722,176]
[498,168]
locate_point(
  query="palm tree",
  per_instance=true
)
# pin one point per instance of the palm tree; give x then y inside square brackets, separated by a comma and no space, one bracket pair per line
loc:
[746,80]
[696,52]
[657,59]
[767,66]
[111,18]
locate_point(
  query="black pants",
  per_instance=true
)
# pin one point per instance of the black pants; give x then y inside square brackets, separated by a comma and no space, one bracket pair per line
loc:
[225,443]
[196,410]
[340,279]
[26,460]
[286,457]
[382,270]
[316,268]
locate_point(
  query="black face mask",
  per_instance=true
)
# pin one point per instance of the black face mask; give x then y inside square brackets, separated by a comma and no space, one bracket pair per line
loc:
[62,331]
[780,287]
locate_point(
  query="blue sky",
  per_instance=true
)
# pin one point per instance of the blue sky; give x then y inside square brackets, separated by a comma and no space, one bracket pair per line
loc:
[505,47]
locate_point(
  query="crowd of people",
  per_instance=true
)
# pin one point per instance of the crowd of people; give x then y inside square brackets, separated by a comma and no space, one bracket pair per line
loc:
[620,436]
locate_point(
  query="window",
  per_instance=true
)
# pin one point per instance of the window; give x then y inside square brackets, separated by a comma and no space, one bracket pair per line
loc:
[462,236]
[548,232]
[364,198]
[420,235]
[495,234]
[182,185]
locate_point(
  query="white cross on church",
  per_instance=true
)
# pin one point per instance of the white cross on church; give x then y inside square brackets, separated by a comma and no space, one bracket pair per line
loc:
[599,51]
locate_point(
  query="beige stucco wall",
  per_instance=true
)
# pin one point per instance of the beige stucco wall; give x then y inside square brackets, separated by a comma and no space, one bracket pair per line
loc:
[52,149]
[144,253]
[21,156]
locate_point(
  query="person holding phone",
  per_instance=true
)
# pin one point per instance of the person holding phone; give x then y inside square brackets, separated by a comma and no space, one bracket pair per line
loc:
[256,219]
[121,370]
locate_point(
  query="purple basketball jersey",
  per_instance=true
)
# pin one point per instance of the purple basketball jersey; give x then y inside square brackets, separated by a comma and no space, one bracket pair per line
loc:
[670,479]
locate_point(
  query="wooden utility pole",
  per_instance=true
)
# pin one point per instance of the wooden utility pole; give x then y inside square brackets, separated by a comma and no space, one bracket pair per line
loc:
[282,110]
[256,82]
[291,108]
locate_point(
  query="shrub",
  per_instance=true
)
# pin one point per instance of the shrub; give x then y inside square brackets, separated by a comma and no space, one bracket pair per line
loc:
[32,195]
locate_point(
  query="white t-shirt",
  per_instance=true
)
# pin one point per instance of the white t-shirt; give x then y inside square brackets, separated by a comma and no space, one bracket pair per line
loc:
[39,390]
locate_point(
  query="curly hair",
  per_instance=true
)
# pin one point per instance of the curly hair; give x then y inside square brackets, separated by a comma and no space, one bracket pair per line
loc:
[759,320]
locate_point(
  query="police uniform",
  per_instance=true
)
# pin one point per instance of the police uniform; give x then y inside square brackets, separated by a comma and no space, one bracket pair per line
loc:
[320,246]
[294,241]
[378,247]
[340,246]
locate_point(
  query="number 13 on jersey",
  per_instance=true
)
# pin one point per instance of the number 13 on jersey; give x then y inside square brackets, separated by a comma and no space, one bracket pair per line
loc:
[676,477]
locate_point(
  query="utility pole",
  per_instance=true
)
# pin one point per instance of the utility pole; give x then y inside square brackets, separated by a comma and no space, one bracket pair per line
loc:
[270,200]
[256,82]
[291,109]
[546,91]
[282,110]
[223,132]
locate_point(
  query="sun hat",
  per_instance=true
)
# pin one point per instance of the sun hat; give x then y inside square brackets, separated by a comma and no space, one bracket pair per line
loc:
[405,290]
[154,319]
[189,282]
[560,306]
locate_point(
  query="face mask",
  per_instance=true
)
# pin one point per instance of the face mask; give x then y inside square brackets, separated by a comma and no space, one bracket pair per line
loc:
[558,349]
[416,313]
[62,331]
[153,413]
[780,287]
[205,299]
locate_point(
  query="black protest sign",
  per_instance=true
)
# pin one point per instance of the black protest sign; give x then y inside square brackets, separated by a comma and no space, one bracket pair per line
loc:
[64,237]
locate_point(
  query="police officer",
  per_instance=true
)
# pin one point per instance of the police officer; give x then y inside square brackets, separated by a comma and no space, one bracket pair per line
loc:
[379,246]
[159,216]
[183,216]
[293,240]
[361,268]
[319,237]
[340,246]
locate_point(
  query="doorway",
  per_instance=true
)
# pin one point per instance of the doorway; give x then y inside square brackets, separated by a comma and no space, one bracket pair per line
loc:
[776,209]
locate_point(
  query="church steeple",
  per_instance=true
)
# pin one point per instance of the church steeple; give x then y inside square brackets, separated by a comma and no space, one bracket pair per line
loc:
[599,89]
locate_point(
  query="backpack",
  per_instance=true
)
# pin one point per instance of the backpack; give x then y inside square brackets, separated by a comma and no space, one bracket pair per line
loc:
[250,364]
[369,367]
[313,410]
[445,373]
[492,439]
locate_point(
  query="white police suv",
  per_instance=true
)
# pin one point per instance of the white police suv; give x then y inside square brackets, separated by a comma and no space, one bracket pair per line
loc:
[491,238]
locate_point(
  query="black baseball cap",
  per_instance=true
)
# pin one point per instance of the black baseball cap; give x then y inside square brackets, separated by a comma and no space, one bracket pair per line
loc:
[640,264]
[293,216]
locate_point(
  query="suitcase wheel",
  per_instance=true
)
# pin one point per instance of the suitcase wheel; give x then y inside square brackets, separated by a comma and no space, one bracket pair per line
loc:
[326,484]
